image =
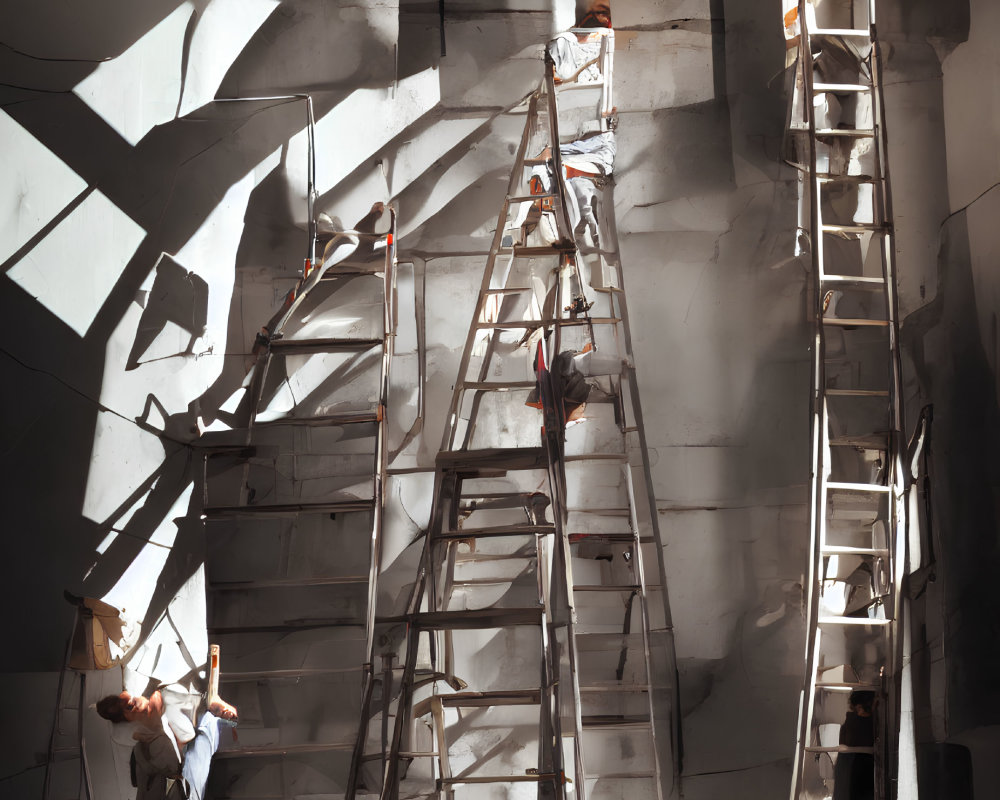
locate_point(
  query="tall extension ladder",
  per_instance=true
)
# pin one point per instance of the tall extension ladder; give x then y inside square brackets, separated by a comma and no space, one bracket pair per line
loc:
[292,605]
[538,614]
[838,139]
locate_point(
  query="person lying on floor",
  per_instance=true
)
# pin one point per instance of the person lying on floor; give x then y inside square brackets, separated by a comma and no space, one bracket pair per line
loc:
[175,744]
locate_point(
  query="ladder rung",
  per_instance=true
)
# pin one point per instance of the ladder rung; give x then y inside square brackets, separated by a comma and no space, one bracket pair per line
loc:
[285,674]
[856,227]
[521,251]
[856,392]
[826,177]
[627,538]
[852,133]
[332,420]
[489,558]
[637,688]
[527,198]
[617,776]
[483,581]
[517,324]
[840,748]
[614,721]
[289,508]
[280,583]
[619,457]
[500,530]
[857,487]
[537,778]
[875,442]
[840,88]
[856,323]
[282,749]
[509,290]
[323,344]
[352,269]
[853,621]
[503,458]
[513,697]
[403,754]
[843,550]
[571,85]
[285,627]
[828,33]
[846,686]
[496,386]
[597,587]
[478,619]
[858,280]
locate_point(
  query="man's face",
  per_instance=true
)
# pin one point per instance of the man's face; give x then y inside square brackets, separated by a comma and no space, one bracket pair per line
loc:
[602,13]
[134,707]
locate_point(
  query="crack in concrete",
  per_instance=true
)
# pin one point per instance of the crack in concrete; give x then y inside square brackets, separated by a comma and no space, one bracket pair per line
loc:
[85,396]
[966,206]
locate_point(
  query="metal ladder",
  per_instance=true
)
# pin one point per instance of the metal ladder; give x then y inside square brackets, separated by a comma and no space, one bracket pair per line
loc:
[539,601]
[285,600]
[66,740]
[857,522]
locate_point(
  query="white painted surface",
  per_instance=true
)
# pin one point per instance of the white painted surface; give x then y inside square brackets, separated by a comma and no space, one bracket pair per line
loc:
[71,270]
[38,187]
[141,88]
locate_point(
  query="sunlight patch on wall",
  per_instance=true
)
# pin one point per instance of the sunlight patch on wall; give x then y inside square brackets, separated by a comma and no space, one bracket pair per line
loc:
[339,151]
[208,259]
[135,588]
[123,458]
[140,88]
[37,185]
[223,30]
[178,635]
[72,270]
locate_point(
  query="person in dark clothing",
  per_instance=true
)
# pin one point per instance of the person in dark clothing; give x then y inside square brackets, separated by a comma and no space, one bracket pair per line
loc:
[854,773]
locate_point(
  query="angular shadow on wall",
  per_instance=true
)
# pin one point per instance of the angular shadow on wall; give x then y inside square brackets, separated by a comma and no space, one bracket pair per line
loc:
[952,366]
[354,59]
[177,296]
[165,186]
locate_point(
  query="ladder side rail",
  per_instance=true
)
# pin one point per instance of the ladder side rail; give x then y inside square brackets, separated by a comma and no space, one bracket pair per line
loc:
[817,417]
[391,777]
[564,565]
[359,744]
[561,566]
[516,174]
[442,483]
[654,526]
[650,512]
[607,91]
[644,615]
[898,473]
[562,217]
[382,444]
